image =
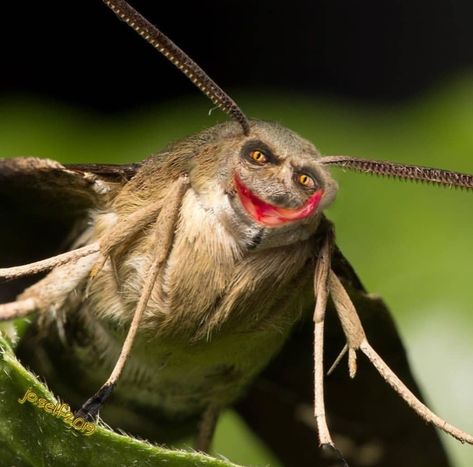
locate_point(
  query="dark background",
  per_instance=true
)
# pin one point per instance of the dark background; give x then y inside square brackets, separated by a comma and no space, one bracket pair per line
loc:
[77,51]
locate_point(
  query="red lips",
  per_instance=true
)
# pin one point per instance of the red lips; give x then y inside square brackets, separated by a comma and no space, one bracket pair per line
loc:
[269,214]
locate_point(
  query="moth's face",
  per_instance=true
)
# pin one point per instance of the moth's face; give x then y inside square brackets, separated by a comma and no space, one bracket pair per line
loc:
[273,185]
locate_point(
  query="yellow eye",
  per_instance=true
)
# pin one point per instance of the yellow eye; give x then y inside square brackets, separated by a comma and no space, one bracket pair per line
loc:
[258,156]
[305,180]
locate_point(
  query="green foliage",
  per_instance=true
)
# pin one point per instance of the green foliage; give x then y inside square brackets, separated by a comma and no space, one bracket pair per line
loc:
[29,436]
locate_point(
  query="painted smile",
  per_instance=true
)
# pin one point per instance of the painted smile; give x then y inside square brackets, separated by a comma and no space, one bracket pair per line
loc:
[269,214]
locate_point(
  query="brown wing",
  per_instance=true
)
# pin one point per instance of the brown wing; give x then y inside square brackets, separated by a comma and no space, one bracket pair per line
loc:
[371,425]
[40,203]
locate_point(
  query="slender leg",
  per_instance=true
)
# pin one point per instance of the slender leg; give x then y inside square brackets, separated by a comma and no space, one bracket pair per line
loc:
[18,309]
[356,339]
[164,234]
[207,429]
[321,285]
[338,360]
[422,410]
[349,319]
[52,291]
[122,232]
[321,292]
[49,263]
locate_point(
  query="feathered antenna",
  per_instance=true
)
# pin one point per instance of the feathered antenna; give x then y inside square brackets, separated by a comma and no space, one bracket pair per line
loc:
[180,59]
[402,171]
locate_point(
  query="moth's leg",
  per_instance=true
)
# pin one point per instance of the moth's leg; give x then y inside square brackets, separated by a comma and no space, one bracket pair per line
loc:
[349,319]
[338,360]
[356,339]
[119,235]
[321,286]
[206,429]
[164,234]
[51,292]
[18,309]
[49,263]
[421,409]
[322,271]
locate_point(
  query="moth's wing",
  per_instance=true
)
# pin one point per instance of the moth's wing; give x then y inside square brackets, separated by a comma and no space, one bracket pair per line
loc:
[370,424]
[40,203]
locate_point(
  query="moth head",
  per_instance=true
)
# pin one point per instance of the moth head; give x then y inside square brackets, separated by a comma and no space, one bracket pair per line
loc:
[269,181]
[276,180]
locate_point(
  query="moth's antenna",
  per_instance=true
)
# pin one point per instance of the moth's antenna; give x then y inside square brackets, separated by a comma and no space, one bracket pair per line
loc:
[180,59]
[402,171]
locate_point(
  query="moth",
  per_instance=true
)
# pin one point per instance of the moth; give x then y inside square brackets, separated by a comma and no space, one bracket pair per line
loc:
[202,278]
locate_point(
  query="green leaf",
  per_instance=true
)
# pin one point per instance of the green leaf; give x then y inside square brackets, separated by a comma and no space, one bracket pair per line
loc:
[30,436]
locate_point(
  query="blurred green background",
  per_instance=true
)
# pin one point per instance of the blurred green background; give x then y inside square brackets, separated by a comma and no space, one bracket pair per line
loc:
[411,244]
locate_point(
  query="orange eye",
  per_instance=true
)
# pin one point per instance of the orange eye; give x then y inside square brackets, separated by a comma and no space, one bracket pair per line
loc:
[258,156]
[305,180]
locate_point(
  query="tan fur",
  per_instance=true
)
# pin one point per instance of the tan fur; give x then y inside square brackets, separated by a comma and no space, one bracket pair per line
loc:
[205,257]
[222,301]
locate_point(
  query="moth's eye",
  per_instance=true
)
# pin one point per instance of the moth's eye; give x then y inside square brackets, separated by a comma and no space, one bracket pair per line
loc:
[305,180]
[258,156]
